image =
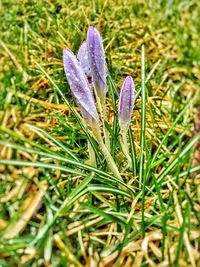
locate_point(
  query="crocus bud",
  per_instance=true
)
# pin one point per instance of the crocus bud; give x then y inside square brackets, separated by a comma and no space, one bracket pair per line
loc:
[126,103]
[80,88]
[84,61]
[97,62]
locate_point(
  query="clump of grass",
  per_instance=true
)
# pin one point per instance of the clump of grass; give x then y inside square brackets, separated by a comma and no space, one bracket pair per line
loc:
[57,210]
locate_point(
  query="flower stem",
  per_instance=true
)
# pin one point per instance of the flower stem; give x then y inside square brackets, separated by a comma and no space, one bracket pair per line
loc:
[102,110]
[125,148]
[110,161]
[111,164]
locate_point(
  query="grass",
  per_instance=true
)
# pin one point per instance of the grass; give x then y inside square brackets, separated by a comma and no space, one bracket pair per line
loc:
[55,208]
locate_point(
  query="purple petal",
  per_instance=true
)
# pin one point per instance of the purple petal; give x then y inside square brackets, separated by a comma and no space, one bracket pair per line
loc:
[97,61]
[126,102]
[83,59]
[79,86]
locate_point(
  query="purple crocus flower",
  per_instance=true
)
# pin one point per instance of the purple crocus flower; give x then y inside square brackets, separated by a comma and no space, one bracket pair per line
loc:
[84,61]
[97,62]
[126,103]
[80,88]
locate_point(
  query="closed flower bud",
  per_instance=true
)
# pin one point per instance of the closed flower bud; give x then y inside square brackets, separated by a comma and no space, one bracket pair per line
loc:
[97,62]
[80,88]
[126,103]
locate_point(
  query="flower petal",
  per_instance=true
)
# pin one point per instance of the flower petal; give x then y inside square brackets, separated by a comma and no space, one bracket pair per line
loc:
[126,102]
[83,59]
[97,61]
[79,86]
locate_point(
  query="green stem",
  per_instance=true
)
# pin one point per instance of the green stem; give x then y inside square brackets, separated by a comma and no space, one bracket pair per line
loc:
[125,148]
[110,161]
[111,164]
[132,152]
[102,109]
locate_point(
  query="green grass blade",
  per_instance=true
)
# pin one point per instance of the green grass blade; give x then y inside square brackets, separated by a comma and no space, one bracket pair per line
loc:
[40,165]
[176,160]
[133,152]
[26,140]
[75,163]
[180,115]
[59,144]
[103,214]
[110,189]
[142,179]
[143,120]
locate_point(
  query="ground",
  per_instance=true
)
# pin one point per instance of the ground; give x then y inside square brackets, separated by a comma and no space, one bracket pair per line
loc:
[55,208]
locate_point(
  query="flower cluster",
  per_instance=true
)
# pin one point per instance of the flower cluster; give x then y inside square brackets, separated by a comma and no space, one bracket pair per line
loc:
[88,71]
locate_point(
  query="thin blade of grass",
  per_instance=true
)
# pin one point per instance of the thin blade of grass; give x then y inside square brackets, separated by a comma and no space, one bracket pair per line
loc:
[103,214]
[181,237]
[180,115]
[75,163]
[58,143]
[102,188]
[40,165]
[133,152]
[176,160]
[142,180]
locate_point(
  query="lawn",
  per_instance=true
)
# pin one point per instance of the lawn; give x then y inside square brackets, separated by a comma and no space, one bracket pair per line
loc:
[60,202]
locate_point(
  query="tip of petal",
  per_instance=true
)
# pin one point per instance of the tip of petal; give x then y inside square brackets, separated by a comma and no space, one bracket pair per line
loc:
[128,82]
[129,79]
[67,51]
[82,49]
[84,42]
[92,31]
